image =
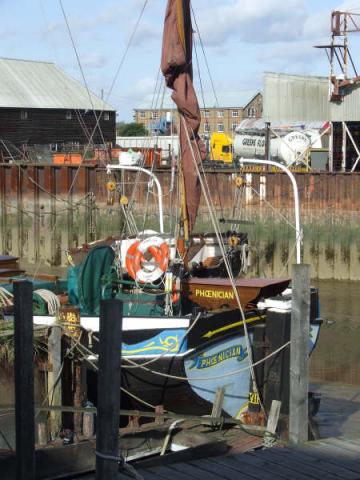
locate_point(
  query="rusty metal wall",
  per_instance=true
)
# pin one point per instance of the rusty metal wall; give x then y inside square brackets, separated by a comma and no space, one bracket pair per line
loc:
[40,186]
[44,209]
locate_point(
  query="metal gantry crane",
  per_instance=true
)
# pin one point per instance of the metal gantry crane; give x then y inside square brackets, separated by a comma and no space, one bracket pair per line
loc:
[343,71]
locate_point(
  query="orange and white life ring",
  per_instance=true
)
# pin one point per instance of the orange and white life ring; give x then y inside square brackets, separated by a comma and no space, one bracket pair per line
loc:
[135,258]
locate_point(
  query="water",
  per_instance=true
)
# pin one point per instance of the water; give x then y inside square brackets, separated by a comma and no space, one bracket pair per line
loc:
[337,354]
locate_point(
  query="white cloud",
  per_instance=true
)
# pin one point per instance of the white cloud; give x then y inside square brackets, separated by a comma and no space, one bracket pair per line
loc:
[251,21]
[299,58]
[94,60]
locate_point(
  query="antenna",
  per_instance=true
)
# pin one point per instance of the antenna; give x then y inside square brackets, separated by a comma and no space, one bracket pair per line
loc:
[343,72]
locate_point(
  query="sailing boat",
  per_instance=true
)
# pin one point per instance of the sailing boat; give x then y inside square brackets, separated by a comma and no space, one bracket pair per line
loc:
[190,322]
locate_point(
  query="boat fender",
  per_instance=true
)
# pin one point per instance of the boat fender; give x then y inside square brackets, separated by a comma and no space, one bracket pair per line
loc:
[135,257]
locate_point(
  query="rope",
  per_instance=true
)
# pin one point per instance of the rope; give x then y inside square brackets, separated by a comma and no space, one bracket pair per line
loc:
[86,351]
[122,464]
[281,215]
[52,300]
[206,192]
[112,458]
[205,57]
[6,298]
[269,440]
[82,72]
[216,377]
[97,119]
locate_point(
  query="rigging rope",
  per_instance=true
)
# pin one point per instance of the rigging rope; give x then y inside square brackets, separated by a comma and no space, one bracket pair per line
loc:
[98,118]
[205,57]
[206,192]
[215,377]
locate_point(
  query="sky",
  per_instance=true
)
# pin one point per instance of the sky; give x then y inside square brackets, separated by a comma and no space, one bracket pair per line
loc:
[242,39]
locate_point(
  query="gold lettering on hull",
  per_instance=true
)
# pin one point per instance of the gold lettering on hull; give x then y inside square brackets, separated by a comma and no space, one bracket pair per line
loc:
[216,294]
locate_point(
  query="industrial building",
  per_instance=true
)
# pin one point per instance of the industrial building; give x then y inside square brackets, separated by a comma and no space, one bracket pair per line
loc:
[41,105]
[225,117]
[334,99]
[297,98]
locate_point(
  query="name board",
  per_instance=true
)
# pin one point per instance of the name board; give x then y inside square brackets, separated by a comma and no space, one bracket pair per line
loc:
[216,294]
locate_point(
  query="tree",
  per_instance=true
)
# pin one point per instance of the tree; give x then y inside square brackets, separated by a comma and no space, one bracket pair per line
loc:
[131,130]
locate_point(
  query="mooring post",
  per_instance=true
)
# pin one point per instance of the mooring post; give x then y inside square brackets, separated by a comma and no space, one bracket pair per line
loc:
[54,379]
[24,381]
[108,404]
[299,354]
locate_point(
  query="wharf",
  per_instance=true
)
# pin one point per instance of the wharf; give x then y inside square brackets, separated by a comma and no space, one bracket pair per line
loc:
[330,459]
[335,456]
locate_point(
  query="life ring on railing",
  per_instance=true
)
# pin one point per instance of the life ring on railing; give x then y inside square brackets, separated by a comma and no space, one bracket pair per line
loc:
[135,258]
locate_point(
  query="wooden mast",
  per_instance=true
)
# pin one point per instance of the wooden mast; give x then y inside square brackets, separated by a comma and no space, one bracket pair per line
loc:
[184,219]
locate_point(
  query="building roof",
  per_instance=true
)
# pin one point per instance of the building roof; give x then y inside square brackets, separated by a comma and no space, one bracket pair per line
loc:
[238,99]
[32,84]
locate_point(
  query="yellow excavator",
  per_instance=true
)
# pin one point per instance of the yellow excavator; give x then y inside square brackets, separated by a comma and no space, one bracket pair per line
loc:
[221,148]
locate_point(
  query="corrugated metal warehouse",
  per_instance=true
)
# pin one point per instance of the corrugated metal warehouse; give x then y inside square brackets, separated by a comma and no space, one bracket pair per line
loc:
[41,105]
[293,98]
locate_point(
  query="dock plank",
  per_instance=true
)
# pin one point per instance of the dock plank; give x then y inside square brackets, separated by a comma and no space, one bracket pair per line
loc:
[343,444]
[324,467]
[192,471]
[232,463]
[331,455]
[297,464]
[279,471]
[327,446]
[326,459]
[354,441]
[221,470]
[167,472]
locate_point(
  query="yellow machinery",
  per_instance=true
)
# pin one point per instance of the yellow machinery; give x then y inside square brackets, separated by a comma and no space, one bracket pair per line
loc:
[221,148]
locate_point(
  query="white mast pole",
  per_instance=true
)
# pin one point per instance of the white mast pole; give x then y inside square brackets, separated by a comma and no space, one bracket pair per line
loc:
[135,168]
[298,231]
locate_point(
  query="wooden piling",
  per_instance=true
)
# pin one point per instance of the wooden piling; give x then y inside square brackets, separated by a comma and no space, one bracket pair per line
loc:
[24,381]
[78,398]
[107,435]
[299,354]
[54,379]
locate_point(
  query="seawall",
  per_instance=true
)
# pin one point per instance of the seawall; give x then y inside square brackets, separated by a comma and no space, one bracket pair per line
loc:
[44,209]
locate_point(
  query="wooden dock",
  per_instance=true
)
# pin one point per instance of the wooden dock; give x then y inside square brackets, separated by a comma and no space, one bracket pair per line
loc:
[335,456]
[328,459]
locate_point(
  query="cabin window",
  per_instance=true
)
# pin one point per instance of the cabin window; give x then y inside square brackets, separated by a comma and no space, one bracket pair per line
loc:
[68,115]
[235,113]
[220,113]
[206,114]
[220,127]
[225,149]
[24,114]
[106,116]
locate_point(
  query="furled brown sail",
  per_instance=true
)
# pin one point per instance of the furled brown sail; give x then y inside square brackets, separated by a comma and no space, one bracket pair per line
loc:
[176,65]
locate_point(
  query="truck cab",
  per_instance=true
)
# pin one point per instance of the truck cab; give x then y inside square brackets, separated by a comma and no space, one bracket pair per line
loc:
[221,148]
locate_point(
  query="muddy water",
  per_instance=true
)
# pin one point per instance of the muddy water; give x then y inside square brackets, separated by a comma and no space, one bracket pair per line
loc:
[337,356]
